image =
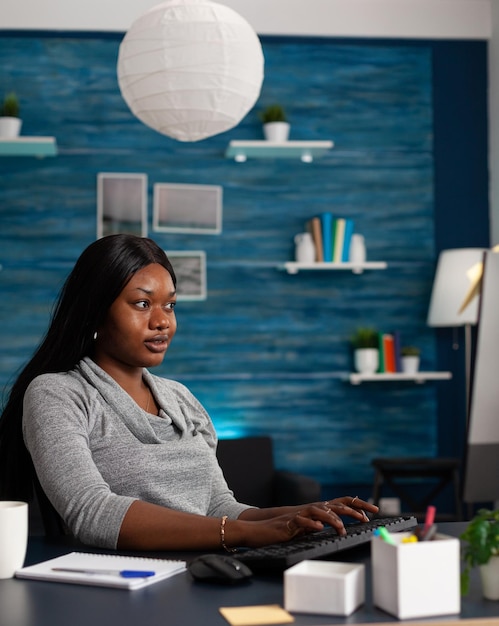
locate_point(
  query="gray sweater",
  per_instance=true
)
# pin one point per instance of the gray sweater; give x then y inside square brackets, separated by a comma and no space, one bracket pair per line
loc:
[95,451]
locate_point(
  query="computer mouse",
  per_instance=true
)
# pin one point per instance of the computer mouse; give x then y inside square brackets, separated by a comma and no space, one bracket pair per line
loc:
[219,568]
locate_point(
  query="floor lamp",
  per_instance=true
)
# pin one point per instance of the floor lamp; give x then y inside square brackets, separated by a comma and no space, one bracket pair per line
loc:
[450,287]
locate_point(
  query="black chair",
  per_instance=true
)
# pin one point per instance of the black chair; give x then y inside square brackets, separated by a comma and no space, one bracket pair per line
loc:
[418,482]
[248,466]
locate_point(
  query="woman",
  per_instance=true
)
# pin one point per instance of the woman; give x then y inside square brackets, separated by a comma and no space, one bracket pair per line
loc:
[127,458]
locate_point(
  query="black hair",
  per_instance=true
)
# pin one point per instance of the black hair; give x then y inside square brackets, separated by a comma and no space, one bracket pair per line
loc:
[98,277]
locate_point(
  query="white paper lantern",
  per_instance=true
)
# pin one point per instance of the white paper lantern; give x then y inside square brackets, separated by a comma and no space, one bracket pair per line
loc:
[190,69]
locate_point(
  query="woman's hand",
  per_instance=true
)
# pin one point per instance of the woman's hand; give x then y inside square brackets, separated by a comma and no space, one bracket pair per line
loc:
[330,512]
[287,522]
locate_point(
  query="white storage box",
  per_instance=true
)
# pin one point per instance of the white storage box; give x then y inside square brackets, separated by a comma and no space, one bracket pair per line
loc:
[324,587]
[416,579]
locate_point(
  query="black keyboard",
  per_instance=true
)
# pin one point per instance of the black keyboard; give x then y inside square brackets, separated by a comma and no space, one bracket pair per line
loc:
[280,556]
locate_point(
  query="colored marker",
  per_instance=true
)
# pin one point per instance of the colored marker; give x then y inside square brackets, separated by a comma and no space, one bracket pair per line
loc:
[430,533]
[410,539]
[430,518]
[385,535]
[429,529]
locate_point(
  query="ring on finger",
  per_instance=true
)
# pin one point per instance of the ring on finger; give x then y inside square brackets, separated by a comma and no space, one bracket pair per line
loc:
[290,530]
[353,500]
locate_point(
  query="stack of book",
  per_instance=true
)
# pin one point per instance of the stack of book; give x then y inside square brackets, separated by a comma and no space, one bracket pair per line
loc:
[332,237]
[389,353]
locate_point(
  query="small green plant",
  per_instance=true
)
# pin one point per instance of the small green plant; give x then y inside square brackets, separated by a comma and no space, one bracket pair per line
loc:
[365,338]
[410,351]
[10,106]
[273,113]
[481,541]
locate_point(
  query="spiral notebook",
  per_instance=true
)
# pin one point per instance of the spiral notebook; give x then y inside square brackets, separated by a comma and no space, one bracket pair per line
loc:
[103,570]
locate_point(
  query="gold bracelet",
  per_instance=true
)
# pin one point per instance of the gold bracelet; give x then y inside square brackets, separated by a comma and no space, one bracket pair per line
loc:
[222,535]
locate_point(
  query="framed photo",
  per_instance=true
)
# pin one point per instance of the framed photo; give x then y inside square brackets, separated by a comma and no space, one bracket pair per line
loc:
[190,270]
[187,208]
[121,204]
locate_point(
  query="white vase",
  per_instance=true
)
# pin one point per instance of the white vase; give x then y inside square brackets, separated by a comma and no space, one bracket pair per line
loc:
[304,248]
[366,360]
[277,132]
[10,127]
[357,251]
[410,364]
[489,574]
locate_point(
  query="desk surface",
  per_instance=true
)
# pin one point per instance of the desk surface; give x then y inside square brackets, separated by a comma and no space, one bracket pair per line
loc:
[179,601]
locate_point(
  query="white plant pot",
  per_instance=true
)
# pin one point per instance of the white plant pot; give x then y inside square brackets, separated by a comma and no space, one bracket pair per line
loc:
[366,360]
[10,127]
[489,573]
[276,131]
[410,364]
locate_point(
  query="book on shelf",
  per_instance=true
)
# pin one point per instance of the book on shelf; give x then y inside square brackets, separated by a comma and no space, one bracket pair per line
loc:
[314,227]
[327,235]
[397,346]
[339,239]
[347,240]
[389,353]
[342,236]
[387,361]
[381,352]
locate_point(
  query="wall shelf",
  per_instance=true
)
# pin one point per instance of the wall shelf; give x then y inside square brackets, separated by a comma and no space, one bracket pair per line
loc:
[307,151]
[418,377]
[291,267]
[28,146]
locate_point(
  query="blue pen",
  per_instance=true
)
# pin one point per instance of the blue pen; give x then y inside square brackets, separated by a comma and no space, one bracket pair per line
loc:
[124,573]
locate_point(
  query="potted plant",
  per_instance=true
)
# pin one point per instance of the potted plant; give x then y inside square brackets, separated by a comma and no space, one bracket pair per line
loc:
[10,123]
[275,123]
[365,343]
[481,549]
[410,357]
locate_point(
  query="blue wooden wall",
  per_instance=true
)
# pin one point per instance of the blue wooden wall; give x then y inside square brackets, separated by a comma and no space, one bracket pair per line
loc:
[266,351]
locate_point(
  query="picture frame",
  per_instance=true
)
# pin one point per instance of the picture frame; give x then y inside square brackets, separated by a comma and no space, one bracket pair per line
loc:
[121,204]
[190,269]
[179,208]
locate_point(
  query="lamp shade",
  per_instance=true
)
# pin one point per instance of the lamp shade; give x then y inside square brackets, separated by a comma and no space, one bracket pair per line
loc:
[451,286]
[190,69]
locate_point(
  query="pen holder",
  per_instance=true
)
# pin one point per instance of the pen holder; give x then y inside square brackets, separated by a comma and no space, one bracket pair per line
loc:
[418,579]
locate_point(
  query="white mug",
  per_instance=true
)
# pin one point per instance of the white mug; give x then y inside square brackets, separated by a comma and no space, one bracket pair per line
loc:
[13,536]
